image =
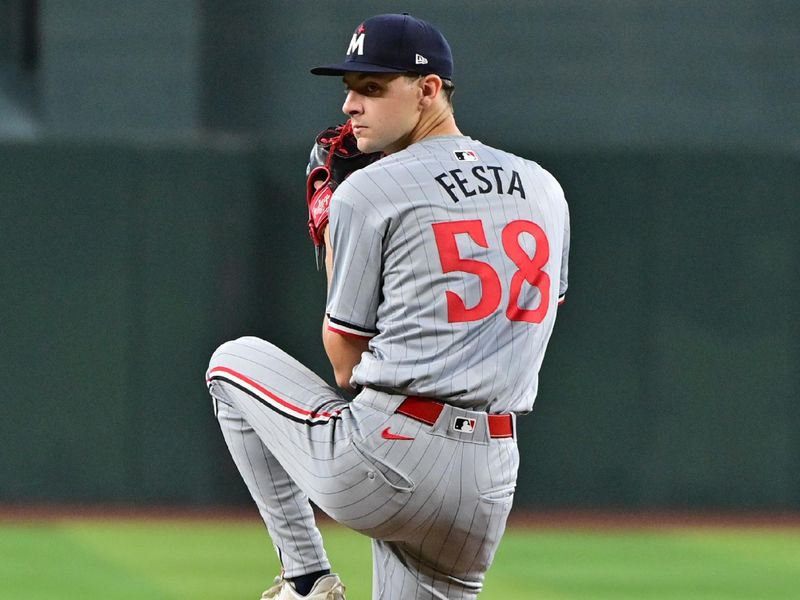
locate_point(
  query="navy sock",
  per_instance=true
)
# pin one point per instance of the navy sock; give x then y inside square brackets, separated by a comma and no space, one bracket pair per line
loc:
[304,583]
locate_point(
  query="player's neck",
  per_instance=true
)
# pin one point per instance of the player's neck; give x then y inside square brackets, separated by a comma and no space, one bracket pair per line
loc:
[431,124]
[438,124]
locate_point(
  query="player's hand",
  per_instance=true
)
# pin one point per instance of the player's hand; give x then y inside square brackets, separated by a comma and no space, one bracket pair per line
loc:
[334,156]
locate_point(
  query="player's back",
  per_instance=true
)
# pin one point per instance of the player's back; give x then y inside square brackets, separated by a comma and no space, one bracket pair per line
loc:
[472,244]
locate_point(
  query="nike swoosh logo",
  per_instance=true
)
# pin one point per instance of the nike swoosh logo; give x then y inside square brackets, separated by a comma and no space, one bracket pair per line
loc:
[388,435]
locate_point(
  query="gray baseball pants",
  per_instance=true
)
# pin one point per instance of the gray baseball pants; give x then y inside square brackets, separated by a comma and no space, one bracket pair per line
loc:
[435,506]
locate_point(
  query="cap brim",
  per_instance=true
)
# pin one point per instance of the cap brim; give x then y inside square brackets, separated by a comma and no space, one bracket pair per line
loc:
[354,67]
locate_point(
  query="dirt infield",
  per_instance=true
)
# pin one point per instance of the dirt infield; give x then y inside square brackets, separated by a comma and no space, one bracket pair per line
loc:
[551,519]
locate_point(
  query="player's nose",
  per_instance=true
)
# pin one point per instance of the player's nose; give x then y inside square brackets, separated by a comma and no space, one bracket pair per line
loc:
[352,105]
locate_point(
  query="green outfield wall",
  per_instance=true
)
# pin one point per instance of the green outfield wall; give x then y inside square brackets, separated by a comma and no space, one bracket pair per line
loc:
[672,379]
[151,207]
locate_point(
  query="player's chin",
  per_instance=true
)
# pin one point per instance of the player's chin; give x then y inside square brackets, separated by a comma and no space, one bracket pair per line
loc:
[366,145]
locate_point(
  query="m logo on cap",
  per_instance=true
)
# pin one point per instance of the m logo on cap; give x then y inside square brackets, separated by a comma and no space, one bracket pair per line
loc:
[357,42]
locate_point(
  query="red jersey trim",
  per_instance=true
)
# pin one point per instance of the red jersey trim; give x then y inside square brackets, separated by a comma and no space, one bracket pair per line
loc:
[349,332]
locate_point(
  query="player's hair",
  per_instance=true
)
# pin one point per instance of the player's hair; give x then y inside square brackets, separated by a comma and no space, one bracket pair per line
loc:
[448,87]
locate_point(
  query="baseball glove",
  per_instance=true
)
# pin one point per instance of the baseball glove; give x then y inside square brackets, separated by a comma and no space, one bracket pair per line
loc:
[334,156]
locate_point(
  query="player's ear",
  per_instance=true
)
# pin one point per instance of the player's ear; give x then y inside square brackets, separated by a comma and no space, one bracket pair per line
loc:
[430,85]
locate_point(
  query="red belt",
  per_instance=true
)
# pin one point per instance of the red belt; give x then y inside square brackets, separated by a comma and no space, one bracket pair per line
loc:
[427,411]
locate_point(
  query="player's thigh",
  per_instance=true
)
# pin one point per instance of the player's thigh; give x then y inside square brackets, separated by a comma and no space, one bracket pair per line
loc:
[303,421]
[309,428]
[449,552]
[464,539]
[273,378]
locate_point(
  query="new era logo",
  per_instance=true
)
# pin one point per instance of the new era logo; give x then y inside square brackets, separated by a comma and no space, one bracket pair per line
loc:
[464,425]
[467,155]
[421,60]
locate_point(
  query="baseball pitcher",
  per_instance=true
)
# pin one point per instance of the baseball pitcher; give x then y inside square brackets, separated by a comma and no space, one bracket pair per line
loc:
[446,261]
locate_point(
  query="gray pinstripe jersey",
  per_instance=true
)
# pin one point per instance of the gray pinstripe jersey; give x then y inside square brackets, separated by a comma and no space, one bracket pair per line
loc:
[451,256]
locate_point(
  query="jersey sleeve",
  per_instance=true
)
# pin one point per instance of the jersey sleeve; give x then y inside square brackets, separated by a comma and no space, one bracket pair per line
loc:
[562,287]
[356,241]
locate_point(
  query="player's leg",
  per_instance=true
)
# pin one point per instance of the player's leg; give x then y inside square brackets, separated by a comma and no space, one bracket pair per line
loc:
[318,438]
[446,565]
[307,430]
[282,425]
[447,554]
[284,508]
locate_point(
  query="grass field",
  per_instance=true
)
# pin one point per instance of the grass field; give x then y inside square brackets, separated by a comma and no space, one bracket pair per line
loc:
[126,559]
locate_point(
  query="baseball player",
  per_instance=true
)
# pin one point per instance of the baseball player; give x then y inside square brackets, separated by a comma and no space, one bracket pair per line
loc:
[446,260]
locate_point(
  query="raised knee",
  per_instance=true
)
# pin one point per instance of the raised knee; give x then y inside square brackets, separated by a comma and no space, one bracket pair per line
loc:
[234,347]
[241,347]
[218,357]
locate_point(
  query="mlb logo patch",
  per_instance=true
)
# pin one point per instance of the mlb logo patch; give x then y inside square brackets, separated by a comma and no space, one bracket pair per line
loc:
[464,425]
[467,155]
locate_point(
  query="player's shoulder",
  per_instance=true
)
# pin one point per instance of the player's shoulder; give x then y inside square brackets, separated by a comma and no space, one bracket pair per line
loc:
[363,181]
[378,177]
[526,165]
[365,191]
[521,161]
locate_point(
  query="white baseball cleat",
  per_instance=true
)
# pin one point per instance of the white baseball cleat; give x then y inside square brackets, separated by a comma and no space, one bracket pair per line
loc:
[328,587]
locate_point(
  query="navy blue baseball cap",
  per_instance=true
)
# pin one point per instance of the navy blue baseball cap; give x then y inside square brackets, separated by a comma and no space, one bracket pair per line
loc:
[395,44]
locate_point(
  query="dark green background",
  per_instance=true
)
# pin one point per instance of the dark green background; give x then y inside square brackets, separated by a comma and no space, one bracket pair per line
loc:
[151,191]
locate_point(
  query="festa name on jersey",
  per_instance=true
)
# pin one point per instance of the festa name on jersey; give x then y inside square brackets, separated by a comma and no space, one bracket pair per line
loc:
[479,179]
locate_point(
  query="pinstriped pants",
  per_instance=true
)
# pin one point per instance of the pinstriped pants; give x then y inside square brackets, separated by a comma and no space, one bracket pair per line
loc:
[435,505]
